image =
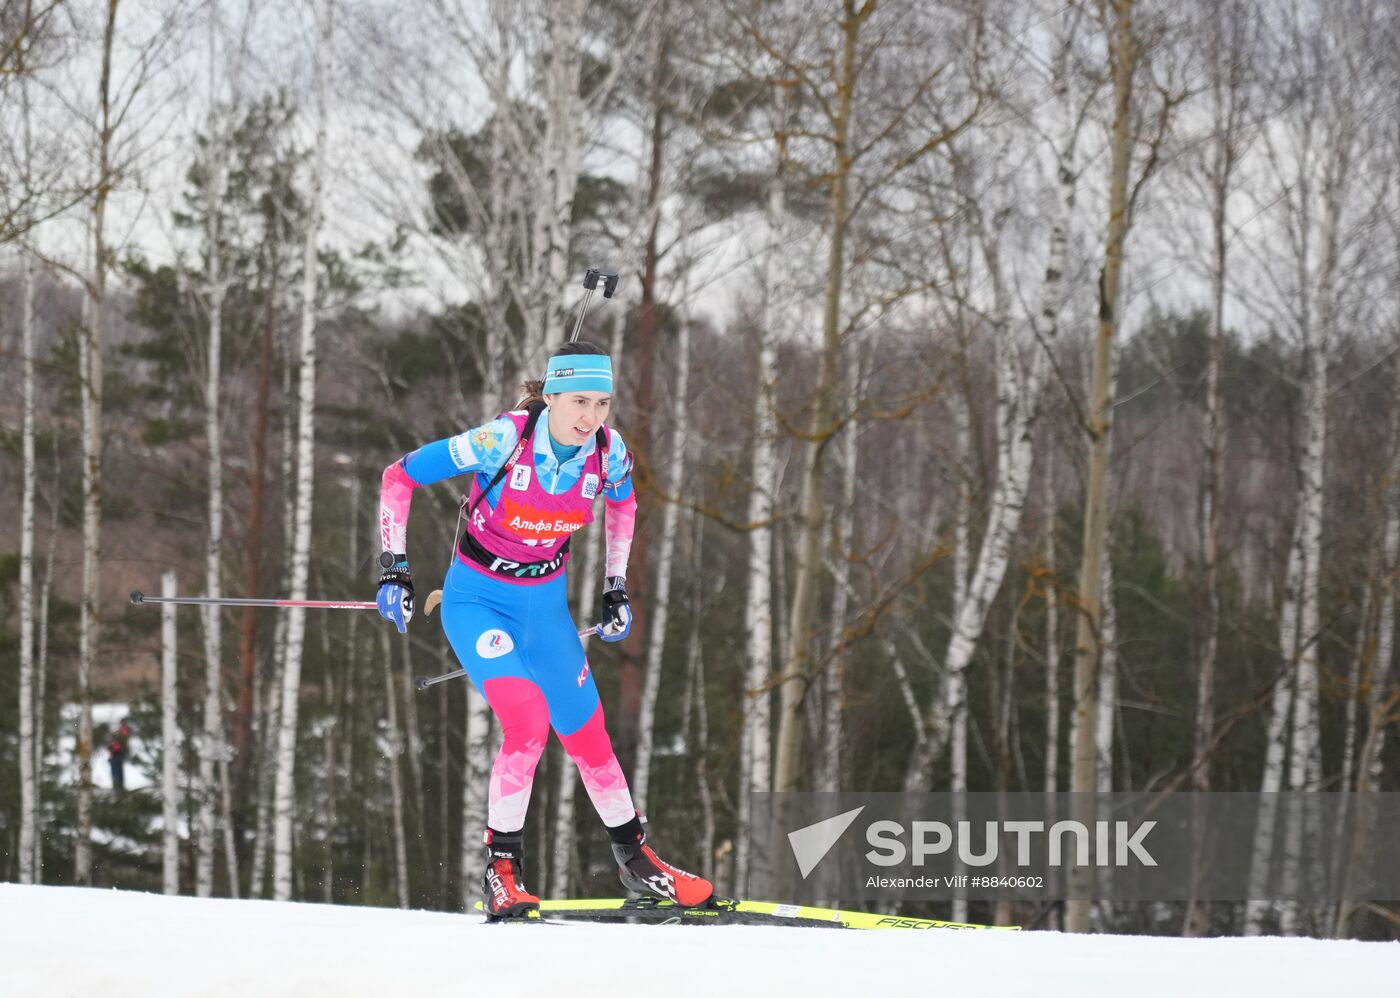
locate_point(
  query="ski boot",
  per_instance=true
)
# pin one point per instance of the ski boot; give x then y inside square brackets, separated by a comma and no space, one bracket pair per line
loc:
[643,872]
[504,895]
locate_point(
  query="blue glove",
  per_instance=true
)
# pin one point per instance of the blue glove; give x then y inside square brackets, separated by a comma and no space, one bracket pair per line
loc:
[395,590]
[617,613]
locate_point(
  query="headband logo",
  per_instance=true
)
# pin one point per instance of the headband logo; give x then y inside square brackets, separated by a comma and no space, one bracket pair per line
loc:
[563,372]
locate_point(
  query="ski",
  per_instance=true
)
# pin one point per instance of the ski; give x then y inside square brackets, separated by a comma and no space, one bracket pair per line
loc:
[735,911]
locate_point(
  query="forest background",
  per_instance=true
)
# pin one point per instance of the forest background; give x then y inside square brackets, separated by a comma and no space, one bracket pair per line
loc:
[1013,386]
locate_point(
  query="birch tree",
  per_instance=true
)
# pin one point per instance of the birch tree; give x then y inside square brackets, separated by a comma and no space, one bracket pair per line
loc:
[1018,397]
[33,188]
[91,377]
[670,527]
[1125,46]
[755,754]
[216,167]
[28,775]
[844,49]
[169,740]
[828,776]
[29,747]
[395,747]
[305,473]
[513,190]
[477,751]
[1230,41]
[1312,158]
[1023,351]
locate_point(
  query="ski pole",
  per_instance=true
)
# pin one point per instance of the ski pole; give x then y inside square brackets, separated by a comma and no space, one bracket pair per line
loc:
[590,284]
[423,682]
[137,596]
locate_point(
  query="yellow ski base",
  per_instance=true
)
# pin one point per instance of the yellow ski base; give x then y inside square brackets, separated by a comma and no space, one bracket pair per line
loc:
[731,910]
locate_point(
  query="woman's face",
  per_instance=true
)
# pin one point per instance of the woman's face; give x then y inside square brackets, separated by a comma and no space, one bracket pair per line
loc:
[576,416]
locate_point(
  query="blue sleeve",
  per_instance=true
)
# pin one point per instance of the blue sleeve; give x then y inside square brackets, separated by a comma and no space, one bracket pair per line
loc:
[482,450]
[617,485]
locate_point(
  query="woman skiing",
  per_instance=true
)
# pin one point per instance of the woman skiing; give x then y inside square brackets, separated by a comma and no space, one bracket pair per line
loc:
[536,473]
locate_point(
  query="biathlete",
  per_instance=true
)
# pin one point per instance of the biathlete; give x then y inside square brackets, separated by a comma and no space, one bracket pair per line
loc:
[536,472]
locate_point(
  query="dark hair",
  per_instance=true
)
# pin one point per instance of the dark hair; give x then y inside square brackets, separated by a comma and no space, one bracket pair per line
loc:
[534,390]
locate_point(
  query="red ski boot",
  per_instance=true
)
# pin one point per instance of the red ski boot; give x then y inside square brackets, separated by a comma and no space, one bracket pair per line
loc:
[644,872]
[504,895]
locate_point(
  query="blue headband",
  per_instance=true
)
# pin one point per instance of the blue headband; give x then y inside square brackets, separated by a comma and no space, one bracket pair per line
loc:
[578,372]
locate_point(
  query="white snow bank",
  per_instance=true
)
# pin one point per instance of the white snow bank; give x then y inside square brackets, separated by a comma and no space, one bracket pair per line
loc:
[59,941]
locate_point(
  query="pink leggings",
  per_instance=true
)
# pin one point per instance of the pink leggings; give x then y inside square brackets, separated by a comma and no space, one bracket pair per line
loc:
[521,708]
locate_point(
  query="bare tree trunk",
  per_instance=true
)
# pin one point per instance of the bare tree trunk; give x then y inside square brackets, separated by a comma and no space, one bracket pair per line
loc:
[842,537]
[91,371]
[700,752]
[1275,742]
[670,527]
[475,773]
[211,745]
[698,746]
[1227,105]
[41,678]
[1123,53]
[1373,681]
[1303,768]
[226,803]
[306,459]
[272,724]
[797,668]
[954,687]
[636,675]
[1052,645]
[1067,175]
[413,732]
[1018,401]
[1052,635]
[558,167]
[395,777]
[1222,169]
[28,769]
[444,812]
[1108,681]
[253,543]
[169,742]
[1305,750]
[755,754]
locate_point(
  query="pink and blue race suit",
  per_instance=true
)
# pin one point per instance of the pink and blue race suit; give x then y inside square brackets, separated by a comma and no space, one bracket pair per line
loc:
[504,604]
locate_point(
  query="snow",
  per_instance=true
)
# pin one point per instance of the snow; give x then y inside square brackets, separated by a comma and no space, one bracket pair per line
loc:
[60,941]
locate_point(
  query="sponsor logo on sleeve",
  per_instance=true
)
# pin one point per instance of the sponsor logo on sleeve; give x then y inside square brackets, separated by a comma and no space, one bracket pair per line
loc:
[459,447]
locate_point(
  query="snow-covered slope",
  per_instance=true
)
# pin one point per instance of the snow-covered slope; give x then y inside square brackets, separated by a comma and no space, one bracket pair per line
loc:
[58,941]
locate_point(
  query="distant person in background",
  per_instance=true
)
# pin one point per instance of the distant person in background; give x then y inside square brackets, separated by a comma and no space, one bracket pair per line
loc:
[116,755]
